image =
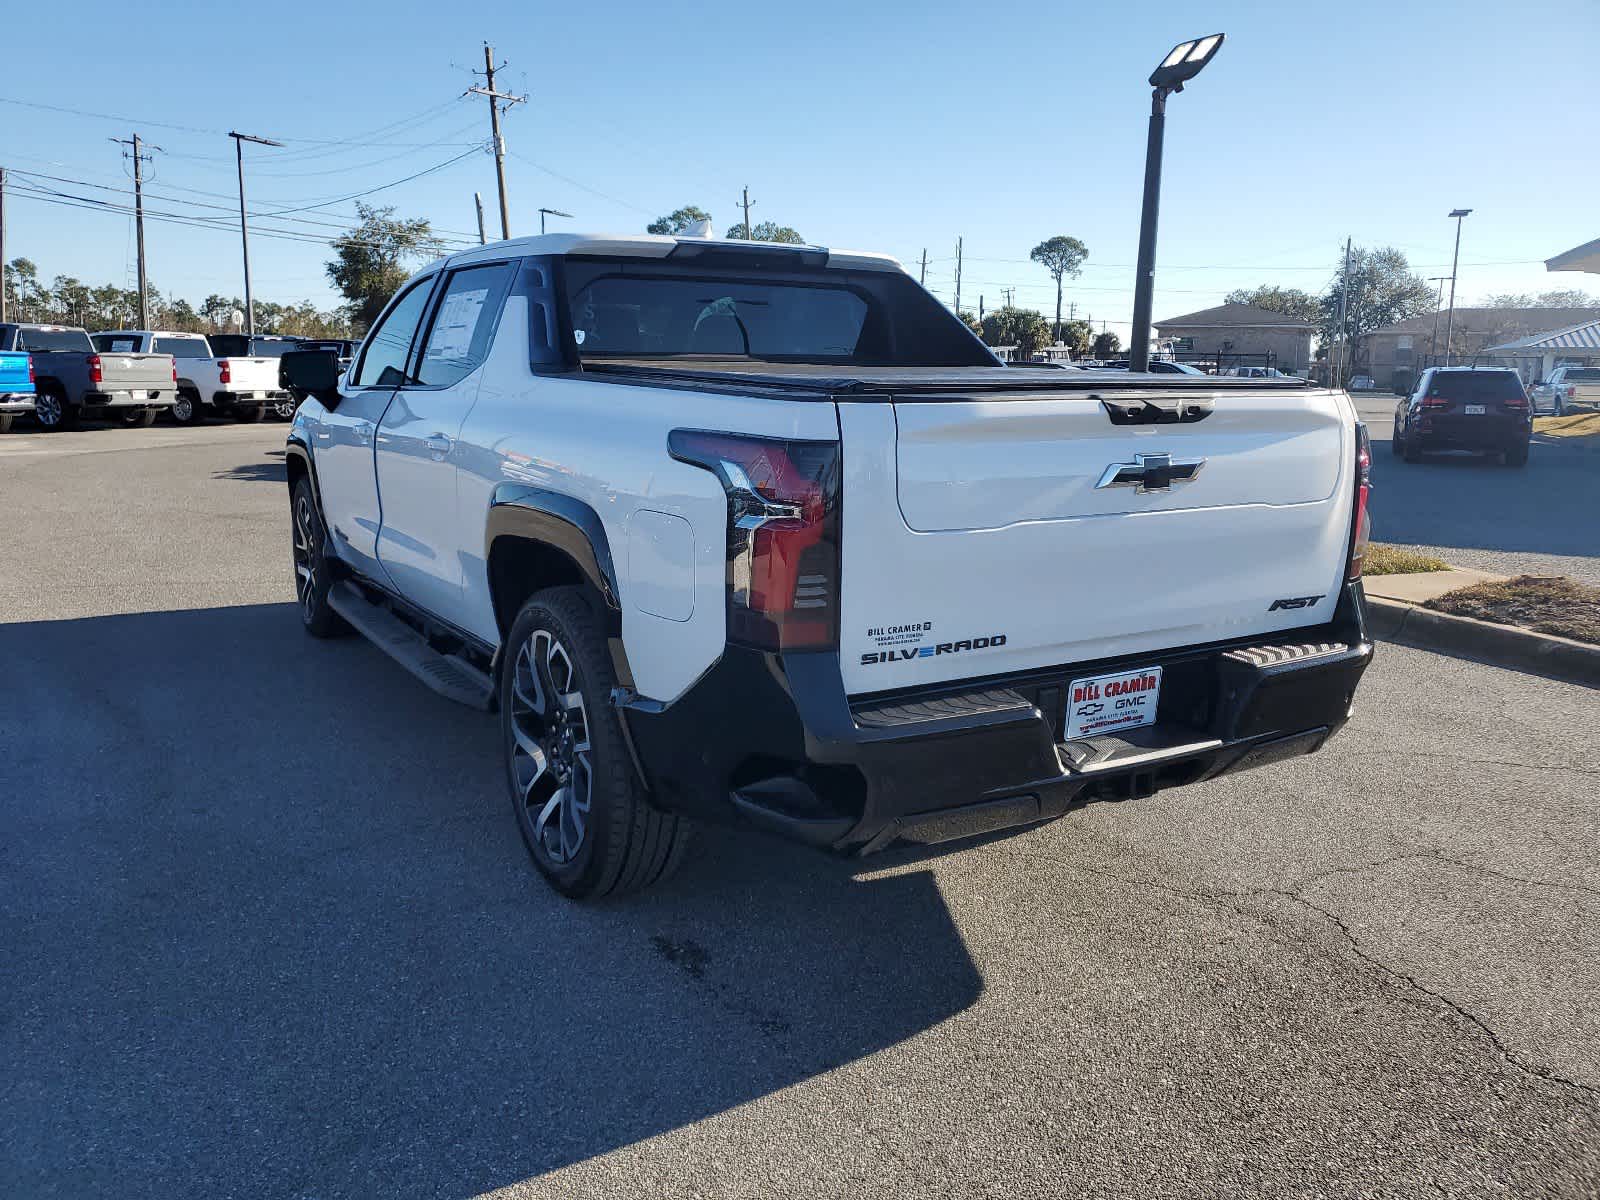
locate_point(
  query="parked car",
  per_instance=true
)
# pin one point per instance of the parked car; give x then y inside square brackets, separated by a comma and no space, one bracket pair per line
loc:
[1166,366]
[73,380]
[16,387]
[1566,388]
[1482,409]
[1257,373]
[208,384]
[702,520]
[1362,383]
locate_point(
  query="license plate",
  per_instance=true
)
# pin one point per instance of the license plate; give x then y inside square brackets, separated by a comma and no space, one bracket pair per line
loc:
[1107,703]
[1474,410]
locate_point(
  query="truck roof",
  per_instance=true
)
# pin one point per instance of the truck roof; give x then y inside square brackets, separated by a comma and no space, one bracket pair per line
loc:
[177,333]
[646,245]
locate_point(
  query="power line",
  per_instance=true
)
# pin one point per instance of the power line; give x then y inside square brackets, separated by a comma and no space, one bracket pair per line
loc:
[583,187]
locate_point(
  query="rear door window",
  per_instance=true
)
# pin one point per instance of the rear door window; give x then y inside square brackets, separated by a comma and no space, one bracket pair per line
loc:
[463,324]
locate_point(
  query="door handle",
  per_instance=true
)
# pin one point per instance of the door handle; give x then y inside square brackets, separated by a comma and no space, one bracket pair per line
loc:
[438,447]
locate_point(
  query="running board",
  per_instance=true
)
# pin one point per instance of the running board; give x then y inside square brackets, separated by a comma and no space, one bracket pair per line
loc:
[452,677]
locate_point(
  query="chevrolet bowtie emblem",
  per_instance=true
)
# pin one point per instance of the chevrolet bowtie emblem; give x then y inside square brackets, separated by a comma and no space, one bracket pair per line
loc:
[1151,473]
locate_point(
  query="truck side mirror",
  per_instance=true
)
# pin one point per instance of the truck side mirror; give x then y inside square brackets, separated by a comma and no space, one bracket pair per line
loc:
[314,372]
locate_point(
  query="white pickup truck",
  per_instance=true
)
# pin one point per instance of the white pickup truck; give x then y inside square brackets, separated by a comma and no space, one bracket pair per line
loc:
[763,534]
[234,385]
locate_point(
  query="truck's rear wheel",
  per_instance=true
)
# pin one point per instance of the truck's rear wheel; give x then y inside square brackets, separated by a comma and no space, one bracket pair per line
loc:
[142,418]
[185,409]
[51,410]
[578,801]
[250,415]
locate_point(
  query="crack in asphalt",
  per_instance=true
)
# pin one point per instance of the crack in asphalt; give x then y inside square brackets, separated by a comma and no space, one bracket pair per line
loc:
[1230,900]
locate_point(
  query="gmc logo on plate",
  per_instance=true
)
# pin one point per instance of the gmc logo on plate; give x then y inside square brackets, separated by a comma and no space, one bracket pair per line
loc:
[1293,602]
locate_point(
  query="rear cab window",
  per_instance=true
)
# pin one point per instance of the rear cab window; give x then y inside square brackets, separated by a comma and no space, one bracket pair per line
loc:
[47,340]
[182,347]
[766,310]
[116,343]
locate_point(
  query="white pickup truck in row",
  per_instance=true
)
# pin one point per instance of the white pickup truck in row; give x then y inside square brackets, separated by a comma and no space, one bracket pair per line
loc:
[742,532]
[232,385]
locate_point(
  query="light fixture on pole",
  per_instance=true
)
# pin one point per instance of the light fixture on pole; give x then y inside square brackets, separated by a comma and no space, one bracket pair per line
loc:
[1183,63]
[239,139]
[554,212]
[1450,322]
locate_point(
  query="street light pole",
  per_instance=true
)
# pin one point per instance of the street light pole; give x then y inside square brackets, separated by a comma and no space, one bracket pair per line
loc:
[1438,307]
[239,139]
[1181,64]
[1459,214]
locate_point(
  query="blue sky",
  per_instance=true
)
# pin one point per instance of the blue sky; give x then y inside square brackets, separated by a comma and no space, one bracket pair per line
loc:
[887,125]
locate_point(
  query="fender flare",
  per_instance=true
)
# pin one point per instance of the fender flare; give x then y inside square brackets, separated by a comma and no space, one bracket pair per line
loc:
[296,448]
[560,521]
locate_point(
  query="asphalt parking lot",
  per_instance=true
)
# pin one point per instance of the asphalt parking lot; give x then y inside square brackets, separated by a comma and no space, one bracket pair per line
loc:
[269,930]
[1473,512]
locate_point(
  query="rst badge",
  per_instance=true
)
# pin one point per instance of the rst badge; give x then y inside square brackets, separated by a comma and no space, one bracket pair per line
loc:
[1106,703]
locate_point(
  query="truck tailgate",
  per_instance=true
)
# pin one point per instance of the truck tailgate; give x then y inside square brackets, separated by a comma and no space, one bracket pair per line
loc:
[252,374]
[134,372]
[14,376]
[985,535]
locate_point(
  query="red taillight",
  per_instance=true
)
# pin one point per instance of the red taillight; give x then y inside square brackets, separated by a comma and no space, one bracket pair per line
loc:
[30,369]
[224,371]
[1517,401]
[1432,401]
[96,375]
[1572,392]
[1361,525]
[174,370]
[783,534]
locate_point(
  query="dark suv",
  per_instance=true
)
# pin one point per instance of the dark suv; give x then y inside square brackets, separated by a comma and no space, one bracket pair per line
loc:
[1483,409]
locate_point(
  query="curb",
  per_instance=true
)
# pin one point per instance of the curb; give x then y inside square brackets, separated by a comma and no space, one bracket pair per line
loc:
[1499,645]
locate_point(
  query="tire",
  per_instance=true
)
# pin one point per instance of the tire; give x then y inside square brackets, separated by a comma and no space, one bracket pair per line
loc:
[249,416]
[563,738]
[283,409]
[1412,452]
[312,578]
[1560,408]
[51,410]
[1516,456]
[139,418]
[1396,443]
[185,409]
[5,421]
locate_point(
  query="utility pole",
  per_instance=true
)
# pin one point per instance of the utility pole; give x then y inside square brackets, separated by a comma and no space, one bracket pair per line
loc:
[749,234]
[3,243]
[1438,307]
[922,278]
[1341,336]
[495,100]
[139,159]
[1450,322]
[980,308]
[958,277]
[239,139]
[477,199]
[550,212]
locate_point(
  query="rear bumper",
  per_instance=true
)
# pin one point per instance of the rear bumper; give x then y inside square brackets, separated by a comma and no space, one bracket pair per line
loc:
[791,754]
[1455,431]
[16,402]
[251,399]
[135,398]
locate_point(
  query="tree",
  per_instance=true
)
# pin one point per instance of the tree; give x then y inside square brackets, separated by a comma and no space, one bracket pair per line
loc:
[970,320]
[1023,328]
[369,263]
[678,220]
[1559,298]
[21,280]
[1383,289]
[1061,256]
[766,231]
[1075,336]
[1292,302]
[1105,345]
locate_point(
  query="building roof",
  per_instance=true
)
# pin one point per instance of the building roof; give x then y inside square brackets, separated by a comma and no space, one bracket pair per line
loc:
[1495,322]
[1575,337]
[1580,258]
[1235,316]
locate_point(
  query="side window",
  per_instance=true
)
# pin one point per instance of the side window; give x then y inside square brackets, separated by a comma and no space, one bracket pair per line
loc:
[463,324]
[383,363]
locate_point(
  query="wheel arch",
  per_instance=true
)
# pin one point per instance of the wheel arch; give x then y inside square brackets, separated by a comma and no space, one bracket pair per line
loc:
[298,465]
[536,538]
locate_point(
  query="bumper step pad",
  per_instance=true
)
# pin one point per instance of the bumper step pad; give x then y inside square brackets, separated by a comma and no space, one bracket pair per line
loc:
[1276,656]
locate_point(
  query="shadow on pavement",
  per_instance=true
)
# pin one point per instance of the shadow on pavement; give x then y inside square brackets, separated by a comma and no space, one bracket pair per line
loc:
[276,471]
[269,929]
